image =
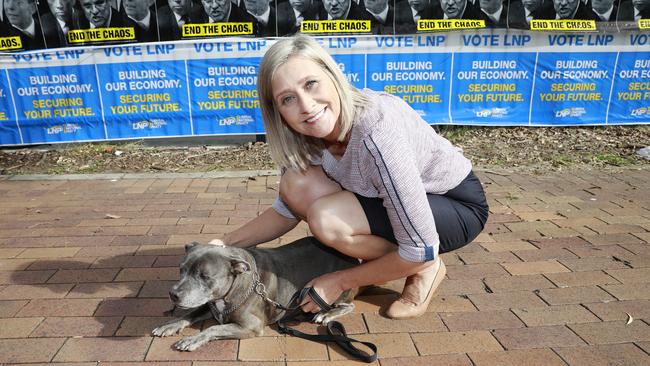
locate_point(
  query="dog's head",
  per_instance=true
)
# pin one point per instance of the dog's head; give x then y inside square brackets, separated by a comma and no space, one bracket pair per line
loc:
[207,274]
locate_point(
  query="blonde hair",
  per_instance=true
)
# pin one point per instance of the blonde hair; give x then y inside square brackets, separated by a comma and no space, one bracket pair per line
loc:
[288,148]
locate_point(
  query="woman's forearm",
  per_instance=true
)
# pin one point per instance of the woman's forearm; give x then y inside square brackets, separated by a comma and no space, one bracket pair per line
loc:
[383,269]
[267,226]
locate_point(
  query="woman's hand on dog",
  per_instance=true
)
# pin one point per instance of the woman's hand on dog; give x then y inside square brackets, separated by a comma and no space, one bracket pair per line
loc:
[217,242]
[327,287]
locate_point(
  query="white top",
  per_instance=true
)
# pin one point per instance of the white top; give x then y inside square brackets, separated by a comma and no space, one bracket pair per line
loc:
[395,155]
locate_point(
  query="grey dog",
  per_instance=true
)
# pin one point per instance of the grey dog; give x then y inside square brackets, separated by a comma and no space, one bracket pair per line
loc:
[241,287]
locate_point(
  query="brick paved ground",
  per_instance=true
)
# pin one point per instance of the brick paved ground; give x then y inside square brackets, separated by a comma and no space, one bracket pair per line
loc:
[85,265]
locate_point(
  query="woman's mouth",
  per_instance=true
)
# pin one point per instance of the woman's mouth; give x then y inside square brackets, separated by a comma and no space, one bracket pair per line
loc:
[315,117]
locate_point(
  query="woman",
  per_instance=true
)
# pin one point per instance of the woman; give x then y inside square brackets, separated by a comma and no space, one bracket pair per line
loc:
[371,178]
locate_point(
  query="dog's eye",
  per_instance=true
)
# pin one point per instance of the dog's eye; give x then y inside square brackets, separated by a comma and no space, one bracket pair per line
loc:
[204,276]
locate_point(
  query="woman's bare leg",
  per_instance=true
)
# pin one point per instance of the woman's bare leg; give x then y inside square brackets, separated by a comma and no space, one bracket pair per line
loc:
[336,218]
[299,190]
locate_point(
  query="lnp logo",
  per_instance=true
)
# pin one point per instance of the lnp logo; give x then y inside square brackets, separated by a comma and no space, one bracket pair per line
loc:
[484,113]
[494,112]
[241,120]
[150,124]
[64,128]
[563,113]
[570,112]
[637,112]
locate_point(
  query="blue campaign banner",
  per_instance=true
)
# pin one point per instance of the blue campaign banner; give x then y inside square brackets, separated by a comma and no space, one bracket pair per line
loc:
[145,99]
[57,103]
[487,77]
[630,101]
[492,88]
[421,79]
[572,88]
[9,133]
[223,96]
[353,68]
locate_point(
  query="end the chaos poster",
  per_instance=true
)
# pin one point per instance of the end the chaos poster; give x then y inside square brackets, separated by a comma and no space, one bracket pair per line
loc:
[40,24]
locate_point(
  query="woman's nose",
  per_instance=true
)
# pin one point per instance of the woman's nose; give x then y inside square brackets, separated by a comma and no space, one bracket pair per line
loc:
[306,104]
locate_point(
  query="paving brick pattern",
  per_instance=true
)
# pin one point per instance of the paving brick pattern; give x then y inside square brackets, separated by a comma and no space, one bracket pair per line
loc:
[559,276]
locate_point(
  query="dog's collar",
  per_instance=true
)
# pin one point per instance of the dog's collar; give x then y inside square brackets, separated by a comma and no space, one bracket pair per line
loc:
[221,312]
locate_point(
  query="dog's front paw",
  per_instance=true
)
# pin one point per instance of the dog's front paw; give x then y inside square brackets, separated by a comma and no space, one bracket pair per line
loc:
[191,343]
[325,317]
[321,318]
[170,328]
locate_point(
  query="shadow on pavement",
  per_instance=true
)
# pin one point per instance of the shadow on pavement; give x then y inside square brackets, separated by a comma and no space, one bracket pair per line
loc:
[124,295]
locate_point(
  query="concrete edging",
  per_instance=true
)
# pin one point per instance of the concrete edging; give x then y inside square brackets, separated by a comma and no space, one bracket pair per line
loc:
[115,176]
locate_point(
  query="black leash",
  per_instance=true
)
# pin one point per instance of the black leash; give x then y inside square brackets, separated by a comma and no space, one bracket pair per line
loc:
[335,330]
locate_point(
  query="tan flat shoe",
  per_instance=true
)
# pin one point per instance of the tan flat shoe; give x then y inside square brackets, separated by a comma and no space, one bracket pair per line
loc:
[418,292]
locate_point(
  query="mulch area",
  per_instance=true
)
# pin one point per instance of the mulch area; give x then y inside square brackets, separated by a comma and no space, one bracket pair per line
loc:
[533,149]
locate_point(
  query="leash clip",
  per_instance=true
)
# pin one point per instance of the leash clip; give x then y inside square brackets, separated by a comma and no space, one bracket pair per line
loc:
[260,289]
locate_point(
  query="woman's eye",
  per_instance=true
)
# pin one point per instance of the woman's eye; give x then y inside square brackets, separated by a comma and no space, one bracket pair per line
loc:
[287,100]
[310,84]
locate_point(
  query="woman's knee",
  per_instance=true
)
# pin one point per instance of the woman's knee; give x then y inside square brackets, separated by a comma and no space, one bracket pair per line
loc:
[339,221]
[299,190]
[326,226]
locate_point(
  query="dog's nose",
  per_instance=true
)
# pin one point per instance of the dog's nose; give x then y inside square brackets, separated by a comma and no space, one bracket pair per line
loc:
[173,296]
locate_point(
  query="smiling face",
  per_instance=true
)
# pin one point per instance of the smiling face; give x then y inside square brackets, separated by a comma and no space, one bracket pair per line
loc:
[307,99]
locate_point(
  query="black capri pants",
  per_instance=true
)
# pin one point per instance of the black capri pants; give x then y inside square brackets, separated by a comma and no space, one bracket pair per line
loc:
[460,214]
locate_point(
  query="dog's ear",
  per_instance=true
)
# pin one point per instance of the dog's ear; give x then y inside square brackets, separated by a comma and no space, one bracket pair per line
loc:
[190,246]
[239,266]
